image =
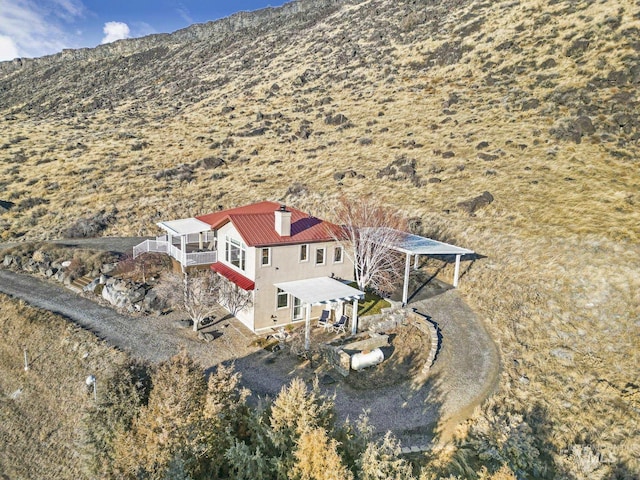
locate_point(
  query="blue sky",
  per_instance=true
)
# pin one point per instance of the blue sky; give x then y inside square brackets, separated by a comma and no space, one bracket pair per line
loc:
[32,28]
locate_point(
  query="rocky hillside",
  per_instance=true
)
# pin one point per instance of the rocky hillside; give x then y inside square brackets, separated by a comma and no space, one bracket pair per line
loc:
[423,104]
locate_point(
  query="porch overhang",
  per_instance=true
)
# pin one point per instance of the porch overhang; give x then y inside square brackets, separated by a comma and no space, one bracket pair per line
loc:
[233,276]
[417,245]
[321,290]
[184,226]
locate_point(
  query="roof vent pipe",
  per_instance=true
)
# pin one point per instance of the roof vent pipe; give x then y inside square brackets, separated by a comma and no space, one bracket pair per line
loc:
[283,221]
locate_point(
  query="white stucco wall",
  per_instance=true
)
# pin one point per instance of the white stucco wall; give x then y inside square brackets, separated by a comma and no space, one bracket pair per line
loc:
[284,266]
[230,230]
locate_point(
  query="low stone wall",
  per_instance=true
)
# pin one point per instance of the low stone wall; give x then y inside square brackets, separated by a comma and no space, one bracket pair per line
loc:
[392,318]
[389,319]
[337,358]
[427,327]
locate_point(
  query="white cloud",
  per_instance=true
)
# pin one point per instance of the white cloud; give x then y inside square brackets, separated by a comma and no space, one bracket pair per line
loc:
[184,13]
[142,29]
[8,48]
[36,28]
[70,8]
[115,31]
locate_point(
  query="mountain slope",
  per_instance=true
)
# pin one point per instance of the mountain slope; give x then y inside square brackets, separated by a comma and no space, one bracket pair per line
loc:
[421,104]
[413,80]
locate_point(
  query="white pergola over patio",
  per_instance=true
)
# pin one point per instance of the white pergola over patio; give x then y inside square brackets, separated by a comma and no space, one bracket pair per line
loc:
[322,291]
[411,244]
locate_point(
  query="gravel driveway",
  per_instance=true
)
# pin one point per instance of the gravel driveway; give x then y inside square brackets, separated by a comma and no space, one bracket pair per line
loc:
[465,372]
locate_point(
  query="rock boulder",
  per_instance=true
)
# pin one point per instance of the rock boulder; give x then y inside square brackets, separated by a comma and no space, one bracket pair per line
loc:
[473,204]
[122,293]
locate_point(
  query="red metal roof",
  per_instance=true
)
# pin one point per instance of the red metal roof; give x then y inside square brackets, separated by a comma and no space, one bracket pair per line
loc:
[217,219]
[230,274]
[256,225]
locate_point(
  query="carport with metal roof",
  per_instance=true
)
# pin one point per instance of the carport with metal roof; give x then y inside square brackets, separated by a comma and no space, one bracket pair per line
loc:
[415,245]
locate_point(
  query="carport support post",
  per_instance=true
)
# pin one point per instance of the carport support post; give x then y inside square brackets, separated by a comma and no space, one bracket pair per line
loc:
[354,320]
[456,271]
[405,287]
[307,328]
[201,240]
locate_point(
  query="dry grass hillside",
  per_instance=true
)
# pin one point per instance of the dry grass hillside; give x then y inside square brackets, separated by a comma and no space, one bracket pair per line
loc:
[421,104]
[41,409]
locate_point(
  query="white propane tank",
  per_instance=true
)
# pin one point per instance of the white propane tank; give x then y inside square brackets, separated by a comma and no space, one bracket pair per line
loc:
[366,359]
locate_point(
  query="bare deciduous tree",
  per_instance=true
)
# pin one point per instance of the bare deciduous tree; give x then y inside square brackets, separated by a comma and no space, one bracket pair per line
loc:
[233,297]
[196,292]
[366,232]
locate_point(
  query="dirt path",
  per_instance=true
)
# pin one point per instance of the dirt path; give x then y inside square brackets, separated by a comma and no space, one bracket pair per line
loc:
[467,367]
[465,372]
[112,244]
[151,338]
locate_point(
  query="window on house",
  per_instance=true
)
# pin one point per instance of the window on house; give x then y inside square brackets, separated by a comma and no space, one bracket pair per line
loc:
[297,309]
[266,257]
[235,252]
[337,254]
[320,256]
[283,299]
[304,253]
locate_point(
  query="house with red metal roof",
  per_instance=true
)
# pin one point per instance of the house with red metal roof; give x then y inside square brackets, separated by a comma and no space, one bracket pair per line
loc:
[258,247]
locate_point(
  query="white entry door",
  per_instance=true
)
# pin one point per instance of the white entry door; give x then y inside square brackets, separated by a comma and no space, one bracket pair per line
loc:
[297,309]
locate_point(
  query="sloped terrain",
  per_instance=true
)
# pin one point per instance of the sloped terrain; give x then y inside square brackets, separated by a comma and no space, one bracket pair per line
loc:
[42,408]
[421,104]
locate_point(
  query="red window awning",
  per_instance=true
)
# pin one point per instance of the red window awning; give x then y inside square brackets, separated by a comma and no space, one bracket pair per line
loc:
[233,276]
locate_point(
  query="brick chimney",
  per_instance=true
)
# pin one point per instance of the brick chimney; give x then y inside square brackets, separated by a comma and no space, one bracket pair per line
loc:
[283,221]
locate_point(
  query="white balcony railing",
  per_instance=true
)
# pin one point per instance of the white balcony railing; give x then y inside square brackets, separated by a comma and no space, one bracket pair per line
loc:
[202,258]
[151,246]
[186,259]
[207,237]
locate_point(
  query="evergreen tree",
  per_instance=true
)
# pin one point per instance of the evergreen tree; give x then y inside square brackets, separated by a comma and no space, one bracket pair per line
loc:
[171,430]
[120,399]
[317,458]
[380,461]
[228,417]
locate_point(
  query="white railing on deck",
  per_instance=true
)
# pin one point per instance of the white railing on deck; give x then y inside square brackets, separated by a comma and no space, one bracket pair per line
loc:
[176,253]
[195,237]
[202,258]
[188,259]
[191,237]
[150,246]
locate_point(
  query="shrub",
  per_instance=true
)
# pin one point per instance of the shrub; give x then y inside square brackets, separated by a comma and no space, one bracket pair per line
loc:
[91,226]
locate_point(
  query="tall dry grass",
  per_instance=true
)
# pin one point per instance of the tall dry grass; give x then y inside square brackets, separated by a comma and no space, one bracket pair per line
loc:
[41,409]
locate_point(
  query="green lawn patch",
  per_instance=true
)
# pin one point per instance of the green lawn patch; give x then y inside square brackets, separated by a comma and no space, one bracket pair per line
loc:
[372,303]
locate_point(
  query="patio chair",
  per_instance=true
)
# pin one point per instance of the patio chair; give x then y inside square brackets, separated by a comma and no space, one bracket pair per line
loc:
[340,325]
[324,321]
